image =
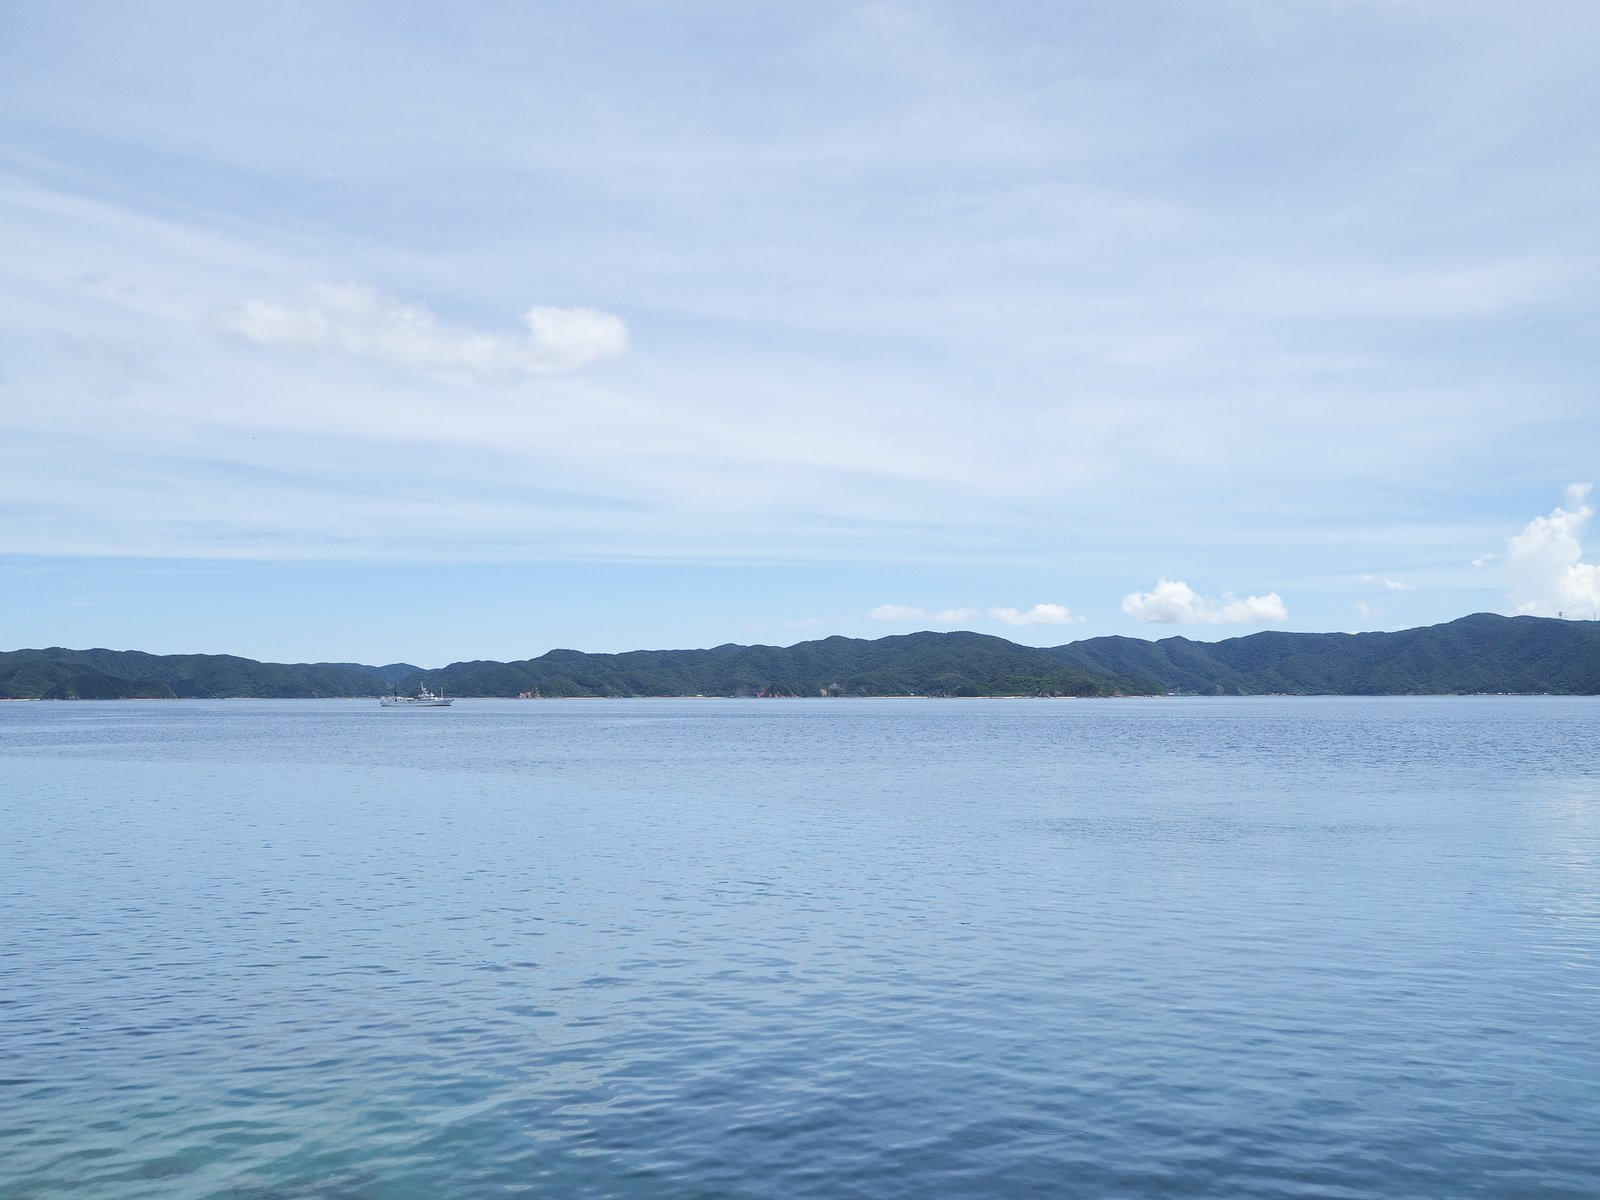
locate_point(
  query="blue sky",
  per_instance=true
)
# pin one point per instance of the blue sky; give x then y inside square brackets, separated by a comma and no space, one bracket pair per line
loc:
[432,332]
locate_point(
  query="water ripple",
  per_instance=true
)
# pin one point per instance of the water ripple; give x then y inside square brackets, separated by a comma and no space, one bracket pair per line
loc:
[657,949]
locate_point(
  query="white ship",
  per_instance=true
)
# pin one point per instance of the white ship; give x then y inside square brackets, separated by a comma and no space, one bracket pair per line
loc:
[423,699]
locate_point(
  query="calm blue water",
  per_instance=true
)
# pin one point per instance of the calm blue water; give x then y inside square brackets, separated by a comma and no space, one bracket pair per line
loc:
[1220,948]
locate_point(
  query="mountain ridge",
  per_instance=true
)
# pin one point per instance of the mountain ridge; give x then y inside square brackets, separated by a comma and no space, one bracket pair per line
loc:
[1482,652]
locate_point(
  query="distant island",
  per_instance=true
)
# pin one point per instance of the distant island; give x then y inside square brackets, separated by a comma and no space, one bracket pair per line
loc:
[1480,653]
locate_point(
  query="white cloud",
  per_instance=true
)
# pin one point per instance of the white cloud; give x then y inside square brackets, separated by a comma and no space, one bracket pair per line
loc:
[734,438]
[364,322]
[1039,614]
[1394,585]
[1545,561]
[1483,560]
[906,612]
[1175,602]
[895,612]
[1365,610]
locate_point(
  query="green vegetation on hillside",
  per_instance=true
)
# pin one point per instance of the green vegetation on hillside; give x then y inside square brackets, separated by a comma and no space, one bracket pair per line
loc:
[918,664]
[1480,653]
[58,674]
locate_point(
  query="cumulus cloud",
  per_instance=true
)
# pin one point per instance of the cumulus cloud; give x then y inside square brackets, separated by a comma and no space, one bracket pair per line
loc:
[1039,614]
[1175,602]
[906,612]
[363,322]
[1545,561]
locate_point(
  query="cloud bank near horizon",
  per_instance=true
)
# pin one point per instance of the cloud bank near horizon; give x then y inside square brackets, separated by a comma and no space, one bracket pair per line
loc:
[362,321]
[911,613]
[1175,602]
[1039,614]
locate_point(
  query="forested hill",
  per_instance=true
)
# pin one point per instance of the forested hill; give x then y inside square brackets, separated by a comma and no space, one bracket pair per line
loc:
[964,664]
[1481,653]
[916,664]
[58,674]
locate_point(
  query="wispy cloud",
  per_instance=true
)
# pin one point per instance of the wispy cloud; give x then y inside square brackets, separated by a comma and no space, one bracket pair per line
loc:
[909,613]
[1545,561]
[805,388]
[362,321]
[1039,614]
[1175,602]
[1393,585]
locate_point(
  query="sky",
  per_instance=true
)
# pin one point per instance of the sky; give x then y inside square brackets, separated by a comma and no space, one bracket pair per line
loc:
[430,332]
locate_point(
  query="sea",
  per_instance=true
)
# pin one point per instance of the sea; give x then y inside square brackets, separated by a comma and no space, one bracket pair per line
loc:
[890,949]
